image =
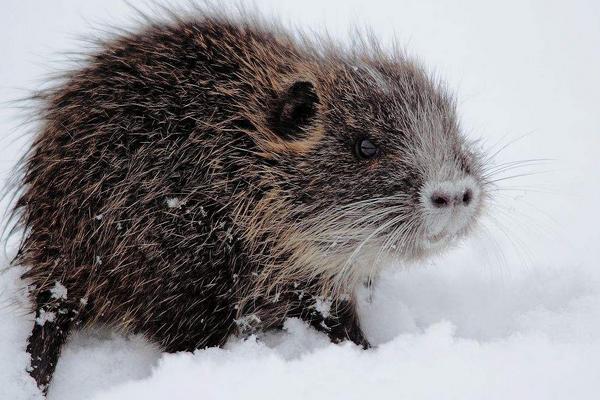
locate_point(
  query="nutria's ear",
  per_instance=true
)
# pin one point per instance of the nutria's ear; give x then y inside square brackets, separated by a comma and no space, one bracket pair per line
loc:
[294,110]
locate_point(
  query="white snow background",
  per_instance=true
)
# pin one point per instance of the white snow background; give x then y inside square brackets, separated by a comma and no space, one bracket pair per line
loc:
[513,313]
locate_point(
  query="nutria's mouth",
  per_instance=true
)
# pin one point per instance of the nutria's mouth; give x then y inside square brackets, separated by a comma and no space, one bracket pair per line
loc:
[438,237]
[444,238]
[437,242]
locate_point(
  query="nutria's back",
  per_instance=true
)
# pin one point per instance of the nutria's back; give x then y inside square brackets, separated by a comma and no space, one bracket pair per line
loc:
[210,176]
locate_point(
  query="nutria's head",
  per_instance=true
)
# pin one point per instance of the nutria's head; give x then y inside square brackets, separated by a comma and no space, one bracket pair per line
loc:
[378,168]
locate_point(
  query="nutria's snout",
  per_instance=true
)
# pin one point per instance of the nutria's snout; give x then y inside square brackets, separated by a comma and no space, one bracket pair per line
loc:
[450,207]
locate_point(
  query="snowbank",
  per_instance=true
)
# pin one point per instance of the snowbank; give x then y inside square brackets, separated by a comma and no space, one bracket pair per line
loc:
[442,333]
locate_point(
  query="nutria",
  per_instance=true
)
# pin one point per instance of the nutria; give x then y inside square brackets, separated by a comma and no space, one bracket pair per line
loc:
[210,176]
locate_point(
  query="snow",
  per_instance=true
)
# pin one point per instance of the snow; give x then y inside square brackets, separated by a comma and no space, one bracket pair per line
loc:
[58,291]
[441,334]
[323,306]
[174,202]
[513,313]
[45,316]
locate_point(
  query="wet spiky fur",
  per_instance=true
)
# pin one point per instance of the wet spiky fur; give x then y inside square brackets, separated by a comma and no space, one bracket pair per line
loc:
[198,178]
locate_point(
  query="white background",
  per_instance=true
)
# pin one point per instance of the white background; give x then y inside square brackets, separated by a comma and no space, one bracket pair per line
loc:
[513,313]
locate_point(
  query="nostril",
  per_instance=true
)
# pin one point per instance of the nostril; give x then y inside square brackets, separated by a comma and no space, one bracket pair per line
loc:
[440,200]
[467,197]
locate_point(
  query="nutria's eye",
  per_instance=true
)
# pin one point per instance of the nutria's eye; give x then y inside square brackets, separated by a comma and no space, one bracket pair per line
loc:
[365,149]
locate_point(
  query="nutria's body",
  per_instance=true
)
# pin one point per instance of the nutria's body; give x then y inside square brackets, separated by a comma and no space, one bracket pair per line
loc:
[208,177]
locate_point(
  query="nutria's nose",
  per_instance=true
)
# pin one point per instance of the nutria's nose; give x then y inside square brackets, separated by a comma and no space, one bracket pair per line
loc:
[449,197]
[449,206]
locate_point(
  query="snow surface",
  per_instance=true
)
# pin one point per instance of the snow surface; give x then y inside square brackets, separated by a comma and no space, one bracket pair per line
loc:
[514,313]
